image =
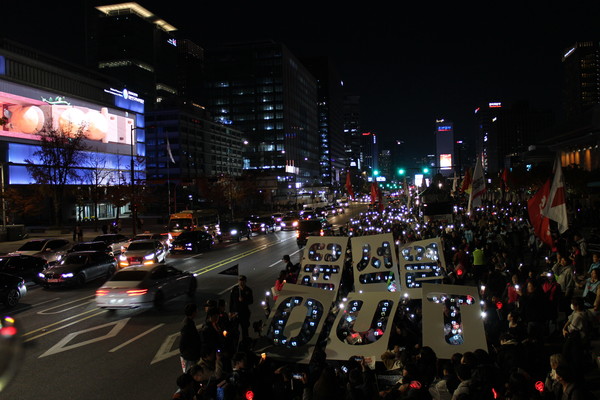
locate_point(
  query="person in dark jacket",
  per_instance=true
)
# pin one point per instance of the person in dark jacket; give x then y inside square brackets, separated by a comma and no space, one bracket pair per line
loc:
[190,343]
[239,304]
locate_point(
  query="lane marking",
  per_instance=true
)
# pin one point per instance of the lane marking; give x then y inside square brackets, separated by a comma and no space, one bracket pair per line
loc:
[64,326]
[87,300]
[61,346]
[231,259]
[59,322]
[44,302]
[119,347]
[277,262]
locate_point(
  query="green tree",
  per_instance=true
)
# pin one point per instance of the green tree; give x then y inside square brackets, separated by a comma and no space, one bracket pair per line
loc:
[56,163]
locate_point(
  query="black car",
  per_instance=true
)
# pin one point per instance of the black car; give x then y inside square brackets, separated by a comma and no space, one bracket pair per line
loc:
[78,268]
[95,246]
[312,227]
[12,289]
[234,231]
[193,241]
[261,224]
[26,267]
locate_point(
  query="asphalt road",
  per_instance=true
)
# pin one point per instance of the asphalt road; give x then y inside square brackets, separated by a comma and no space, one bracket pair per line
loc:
[74,350]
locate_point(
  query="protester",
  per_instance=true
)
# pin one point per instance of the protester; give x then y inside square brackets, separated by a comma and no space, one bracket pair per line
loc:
[190,343]
[239,304]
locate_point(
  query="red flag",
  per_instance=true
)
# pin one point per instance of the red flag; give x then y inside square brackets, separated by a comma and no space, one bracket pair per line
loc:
[349,185]
[504,178]
[556,207]
[466,183]
[535,205]
[374,195]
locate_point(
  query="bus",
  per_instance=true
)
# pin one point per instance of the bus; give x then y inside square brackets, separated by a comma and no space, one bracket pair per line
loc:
[194,220]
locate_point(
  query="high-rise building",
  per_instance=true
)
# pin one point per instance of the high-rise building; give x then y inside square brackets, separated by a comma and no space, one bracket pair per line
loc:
[369,151]
[444,145]
[263,90]
[129,42]
[352,131]
[506,131]
[581,64]
[330,110]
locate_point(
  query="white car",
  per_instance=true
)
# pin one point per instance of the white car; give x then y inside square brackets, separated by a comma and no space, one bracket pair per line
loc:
[137,287]
[143,252]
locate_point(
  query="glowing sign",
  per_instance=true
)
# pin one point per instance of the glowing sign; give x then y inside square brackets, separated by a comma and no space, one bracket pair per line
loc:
[418,180]
[376,266]
[444,128]
[126,94]
[445,161]
[495,105]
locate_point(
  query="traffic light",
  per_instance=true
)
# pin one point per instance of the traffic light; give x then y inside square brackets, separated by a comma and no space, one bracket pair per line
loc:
[375,172]
[425,170]
[401,171]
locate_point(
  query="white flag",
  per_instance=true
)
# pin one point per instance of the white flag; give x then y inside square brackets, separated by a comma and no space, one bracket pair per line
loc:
[556,206]
[169,151]
[477,186]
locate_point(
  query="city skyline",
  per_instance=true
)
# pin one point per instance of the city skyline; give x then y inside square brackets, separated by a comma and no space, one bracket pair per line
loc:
[409,68]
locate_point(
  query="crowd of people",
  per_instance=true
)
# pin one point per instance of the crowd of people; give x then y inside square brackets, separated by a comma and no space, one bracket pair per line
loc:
[541,309]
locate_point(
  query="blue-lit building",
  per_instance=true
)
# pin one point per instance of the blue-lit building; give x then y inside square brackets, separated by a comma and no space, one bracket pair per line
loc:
[37,90]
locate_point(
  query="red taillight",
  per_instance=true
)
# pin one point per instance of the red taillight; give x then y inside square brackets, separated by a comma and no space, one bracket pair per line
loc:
[136,292]
[101,292]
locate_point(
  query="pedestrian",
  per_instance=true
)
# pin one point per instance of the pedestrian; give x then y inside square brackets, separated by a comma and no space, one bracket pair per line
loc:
[79,233]
[290,269]
[190,343]
[75,232]
[239,304]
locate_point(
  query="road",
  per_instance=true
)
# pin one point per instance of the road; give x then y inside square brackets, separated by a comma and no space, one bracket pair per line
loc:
[74,350]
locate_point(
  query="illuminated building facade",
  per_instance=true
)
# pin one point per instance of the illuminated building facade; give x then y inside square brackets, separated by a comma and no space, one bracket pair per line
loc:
[581,64]
[444,145]
[264,91]
[352,132]
[37,89]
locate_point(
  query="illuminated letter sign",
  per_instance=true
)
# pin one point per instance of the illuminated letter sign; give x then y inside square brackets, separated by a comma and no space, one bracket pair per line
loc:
[421,261]
[452,319]
[375,264]
[296,321]
[362,326]
[445,161]
[323,261]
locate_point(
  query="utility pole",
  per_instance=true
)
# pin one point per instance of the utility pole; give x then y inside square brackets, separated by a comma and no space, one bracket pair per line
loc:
[133,202]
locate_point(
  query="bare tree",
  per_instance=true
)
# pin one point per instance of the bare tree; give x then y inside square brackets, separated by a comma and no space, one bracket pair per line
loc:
[57,162]
[97,177]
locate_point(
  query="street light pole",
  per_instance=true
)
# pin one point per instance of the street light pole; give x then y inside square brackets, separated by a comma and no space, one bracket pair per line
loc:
[133,203]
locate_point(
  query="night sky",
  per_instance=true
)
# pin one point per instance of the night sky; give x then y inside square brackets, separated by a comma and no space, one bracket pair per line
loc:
[410,66]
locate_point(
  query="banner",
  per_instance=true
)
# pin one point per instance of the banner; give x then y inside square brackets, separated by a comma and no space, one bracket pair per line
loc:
[477,186]
[375,263]
[295,322]
[535,206]
[362,326]
[322,262]
[556,206]
[420,262]
[452,319]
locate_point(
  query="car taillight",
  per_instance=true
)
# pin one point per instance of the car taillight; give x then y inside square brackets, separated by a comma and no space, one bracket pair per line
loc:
[101,292]
[322,232]
[136,292]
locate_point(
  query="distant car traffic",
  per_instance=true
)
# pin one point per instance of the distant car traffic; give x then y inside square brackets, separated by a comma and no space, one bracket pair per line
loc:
[313,227]
[97,246]
[263,225]
[135,287]
[12,289]
[192,241]
[143,252]
[49,249]
[277,217]
[115,240]
[79,268]
[234,231]
[289,222]
[162,237]
[26,267]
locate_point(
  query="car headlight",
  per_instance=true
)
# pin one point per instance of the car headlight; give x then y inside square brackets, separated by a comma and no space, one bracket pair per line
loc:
[234,232]
[283,224]
[122,257]
[149,257]
[41,275]
[188,245]
[295,223]
[67,275]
